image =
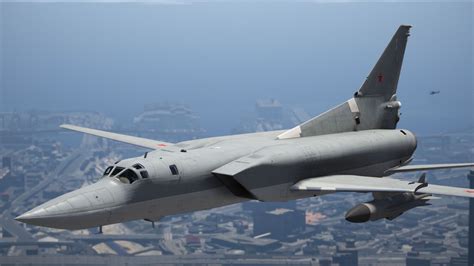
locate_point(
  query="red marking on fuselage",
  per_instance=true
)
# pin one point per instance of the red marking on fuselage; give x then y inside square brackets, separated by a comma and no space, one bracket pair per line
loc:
[469,191]
[162,145]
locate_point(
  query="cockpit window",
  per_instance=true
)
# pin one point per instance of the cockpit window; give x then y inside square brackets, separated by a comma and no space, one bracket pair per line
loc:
[174,169]
[107,171]
[128,176]
[117,170]
[144,174]
[138,166]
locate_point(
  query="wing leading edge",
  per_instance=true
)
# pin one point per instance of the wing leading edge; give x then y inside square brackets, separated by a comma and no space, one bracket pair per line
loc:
[137,141]
[354,183]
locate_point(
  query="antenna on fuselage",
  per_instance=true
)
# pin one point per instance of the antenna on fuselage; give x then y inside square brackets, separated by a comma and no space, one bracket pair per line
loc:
[146,153]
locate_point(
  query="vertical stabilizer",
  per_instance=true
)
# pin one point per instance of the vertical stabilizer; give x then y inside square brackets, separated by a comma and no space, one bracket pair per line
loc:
[383,79]
[374,105]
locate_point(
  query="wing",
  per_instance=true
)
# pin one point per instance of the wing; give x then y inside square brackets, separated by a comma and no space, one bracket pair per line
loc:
[354,183]
[137,141]
[423,167]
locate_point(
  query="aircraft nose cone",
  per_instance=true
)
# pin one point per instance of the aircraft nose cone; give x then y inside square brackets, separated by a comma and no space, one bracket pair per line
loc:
[358,214]
[62,216]
[46,214]
[30,215]
[25,217]
[84,208]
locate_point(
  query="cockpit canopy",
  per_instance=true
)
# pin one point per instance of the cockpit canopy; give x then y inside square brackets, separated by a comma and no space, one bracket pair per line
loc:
[127,175]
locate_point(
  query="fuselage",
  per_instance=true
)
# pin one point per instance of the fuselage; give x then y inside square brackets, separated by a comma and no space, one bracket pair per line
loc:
[183,177]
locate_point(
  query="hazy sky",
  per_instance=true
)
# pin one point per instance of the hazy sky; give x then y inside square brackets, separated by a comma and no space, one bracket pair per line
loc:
[220,57]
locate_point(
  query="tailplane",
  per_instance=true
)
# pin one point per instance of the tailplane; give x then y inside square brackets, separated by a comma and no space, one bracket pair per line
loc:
[374,105]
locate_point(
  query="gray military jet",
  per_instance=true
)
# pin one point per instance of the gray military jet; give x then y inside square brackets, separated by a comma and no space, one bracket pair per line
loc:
[353,147]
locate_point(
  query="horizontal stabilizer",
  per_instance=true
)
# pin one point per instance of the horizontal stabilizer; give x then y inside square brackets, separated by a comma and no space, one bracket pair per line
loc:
[354,183]
[424,167]
[137,141]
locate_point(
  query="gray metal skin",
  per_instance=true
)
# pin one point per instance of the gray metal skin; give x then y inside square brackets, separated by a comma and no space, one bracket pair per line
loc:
[357,138]
[279,164]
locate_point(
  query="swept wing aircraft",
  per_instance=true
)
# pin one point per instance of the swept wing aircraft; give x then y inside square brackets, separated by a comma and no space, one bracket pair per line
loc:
[353,147]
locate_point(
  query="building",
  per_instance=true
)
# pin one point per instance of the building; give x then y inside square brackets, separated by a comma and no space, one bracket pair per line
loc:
[414,259]
[271,115]
[249,244]
[459,261]
[346,256]
[264,206]
[21,129]
[7,162]
[279,223]
[168,121]
[269,110]
[470,176]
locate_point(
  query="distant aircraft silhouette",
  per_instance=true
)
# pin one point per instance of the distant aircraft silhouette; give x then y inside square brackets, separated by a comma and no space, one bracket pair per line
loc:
[434,92]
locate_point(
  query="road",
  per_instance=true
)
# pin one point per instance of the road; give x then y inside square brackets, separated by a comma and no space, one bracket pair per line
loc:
[71,162]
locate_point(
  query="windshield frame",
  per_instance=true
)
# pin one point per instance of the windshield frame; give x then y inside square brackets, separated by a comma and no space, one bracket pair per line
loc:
[127,174]
[108,170]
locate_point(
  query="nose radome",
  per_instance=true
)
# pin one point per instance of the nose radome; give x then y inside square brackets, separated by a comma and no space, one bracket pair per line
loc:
[45,214]
[31,215]
[82,208]
[63,216]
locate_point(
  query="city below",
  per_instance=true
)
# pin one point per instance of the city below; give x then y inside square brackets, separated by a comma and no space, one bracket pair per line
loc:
[40,161]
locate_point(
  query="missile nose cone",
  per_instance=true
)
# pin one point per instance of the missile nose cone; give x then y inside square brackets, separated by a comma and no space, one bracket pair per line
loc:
[358,214]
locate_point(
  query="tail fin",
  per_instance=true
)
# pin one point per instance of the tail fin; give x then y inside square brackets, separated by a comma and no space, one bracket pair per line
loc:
[374,105]
[383,79]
